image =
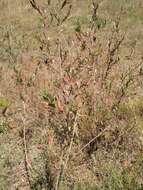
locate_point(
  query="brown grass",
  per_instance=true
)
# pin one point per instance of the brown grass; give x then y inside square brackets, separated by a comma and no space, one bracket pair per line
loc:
[71,109]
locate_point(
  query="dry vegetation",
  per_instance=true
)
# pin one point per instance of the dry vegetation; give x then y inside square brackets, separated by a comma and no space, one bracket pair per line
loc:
[71,101]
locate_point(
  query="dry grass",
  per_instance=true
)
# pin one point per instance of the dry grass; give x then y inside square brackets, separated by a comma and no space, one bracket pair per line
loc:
[71,96]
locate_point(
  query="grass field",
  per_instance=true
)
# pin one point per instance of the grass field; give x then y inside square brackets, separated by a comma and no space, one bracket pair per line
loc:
[71,95]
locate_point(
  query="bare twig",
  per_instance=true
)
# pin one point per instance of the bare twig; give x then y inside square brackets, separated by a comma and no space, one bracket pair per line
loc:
[93,139]
[71,143]
[67,15]
[36,7]
[27,165]
[60,173]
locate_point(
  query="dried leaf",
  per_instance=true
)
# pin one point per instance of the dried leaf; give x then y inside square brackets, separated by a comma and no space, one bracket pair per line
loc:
[59,104]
